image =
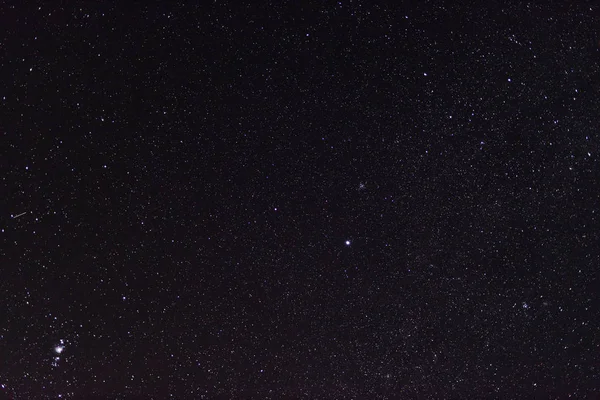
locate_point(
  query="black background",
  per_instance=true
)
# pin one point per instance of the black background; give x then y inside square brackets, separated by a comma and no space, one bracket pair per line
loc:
[190,175]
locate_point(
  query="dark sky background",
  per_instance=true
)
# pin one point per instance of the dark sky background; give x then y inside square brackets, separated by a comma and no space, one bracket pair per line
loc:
[298,200]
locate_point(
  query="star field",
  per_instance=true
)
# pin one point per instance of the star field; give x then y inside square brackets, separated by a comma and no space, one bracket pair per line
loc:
[299,201]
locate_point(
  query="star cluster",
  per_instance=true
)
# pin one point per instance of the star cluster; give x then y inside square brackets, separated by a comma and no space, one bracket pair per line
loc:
[292,200]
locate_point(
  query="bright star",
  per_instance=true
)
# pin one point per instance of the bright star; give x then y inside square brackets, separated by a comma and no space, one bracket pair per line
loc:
[347,243]
[59,349]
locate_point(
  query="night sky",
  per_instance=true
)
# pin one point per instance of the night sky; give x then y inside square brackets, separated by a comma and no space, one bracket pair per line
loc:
[297,200]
